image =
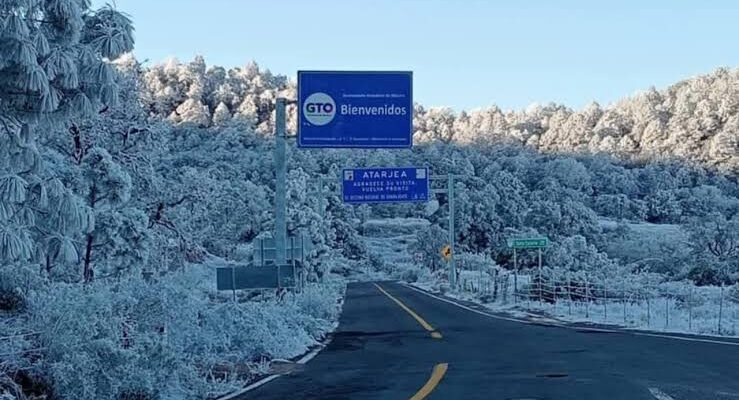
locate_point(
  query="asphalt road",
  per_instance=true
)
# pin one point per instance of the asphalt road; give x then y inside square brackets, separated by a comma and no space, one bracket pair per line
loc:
[380,351]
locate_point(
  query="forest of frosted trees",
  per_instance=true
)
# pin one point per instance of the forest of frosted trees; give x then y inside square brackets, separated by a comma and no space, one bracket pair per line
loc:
[121,183]
[695,120]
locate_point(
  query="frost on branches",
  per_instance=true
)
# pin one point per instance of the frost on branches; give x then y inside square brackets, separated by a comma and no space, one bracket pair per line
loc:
[53,65]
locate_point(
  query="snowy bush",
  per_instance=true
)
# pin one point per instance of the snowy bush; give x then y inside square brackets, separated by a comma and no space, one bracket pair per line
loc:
[408,272]
[575,254]
[167,339]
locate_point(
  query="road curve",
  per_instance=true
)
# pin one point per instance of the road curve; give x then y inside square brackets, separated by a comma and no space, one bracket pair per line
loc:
[380,351]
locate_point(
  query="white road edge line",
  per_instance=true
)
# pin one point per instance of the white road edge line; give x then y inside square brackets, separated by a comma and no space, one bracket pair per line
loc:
[579,328]
[267,379]
[660,395]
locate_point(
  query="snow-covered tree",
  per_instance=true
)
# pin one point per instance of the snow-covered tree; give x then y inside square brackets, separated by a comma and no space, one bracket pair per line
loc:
[576,254]
[714,240]
[221,115]
[119,231]
[54,64]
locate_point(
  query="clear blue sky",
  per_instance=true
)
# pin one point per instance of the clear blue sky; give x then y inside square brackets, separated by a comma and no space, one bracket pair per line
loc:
[464,53]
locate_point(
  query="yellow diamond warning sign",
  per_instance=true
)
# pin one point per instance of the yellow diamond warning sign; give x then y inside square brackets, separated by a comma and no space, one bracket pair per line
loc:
[446,252]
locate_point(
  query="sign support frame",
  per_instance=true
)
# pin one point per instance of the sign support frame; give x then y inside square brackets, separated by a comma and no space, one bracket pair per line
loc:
[280,158]
[452,265]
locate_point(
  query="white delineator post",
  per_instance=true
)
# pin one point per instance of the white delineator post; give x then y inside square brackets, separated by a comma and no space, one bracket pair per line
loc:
[280,182]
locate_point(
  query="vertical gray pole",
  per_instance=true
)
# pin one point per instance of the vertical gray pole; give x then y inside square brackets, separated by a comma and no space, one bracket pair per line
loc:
[605,299]
[261,252]
[720,308]
[541,282]
[233,282]
[690,310]
[569,292]
[515,277]
[321,199]
[296,278]
[624,300]
[452,269]
[280,183]
[667,312]
[587,298]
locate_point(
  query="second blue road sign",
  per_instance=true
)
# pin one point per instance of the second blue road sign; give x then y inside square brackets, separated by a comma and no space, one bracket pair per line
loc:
[385,185]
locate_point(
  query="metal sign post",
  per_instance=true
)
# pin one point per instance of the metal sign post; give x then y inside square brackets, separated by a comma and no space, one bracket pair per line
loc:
[528,243]
[541,282]
[452,266]
[280,182]
[449,190]
[515,277]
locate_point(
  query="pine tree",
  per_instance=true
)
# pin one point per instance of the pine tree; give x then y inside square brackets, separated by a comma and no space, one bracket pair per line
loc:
[54,64]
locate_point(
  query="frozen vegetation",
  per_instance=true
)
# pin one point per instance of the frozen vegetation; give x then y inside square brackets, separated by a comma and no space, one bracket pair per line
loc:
[123,186]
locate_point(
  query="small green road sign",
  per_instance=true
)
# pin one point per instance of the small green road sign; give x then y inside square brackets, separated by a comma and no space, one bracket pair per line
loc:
[528,243]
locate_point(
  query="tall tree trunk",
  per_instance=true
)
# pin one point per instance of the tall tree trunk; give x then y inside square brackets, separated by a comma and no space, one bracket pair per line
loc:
[87,272]
[88,275]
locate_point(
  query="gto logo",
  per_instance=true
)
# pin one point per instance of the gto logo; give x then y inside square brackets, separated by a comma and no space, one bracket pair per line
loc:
[319,109]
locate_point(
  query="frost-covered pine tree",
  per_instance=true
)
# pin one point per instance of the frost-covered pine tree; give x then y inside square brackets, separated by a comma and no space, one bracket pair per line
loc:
[54,64]
[221,115]
[120,238]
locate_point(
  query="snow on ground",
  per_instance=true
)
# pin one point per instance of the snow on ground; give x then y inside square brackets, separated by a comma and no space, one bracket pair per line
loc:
[673,307]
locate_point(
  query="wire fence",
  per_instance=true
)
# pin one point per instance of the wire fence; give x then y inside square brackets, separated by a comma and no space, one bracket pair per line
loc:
[670,306]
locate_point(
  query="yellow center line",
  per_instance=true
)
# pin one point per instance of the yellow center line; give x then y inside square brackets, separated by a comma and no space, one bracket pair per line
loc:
[434,333]
[436,375]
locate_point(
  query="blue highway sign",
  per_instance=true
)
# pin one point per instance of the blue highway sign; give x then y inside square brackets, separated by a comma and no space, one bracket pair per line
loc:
[385,185]
[361,109]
